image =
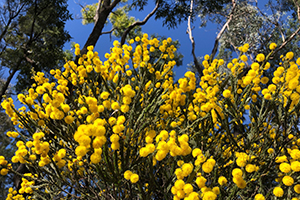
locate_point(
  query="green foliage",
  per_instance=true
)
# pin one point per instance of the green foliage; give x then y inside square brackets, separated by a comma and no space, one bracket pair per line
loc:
[255,24]
[88,13]
[34,37]
[120,21]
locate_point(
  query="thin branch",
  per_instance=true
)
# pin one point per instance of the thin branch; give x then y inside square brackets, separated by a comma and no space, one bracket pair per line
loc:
[33,21]
[287,41]
[112,5]
[197,65]
[30,61]
[291,36]
[298,10]
[139,23]
[272,22]
[216,45]
[3,49]
[83,10]
[11,17]
[108,32]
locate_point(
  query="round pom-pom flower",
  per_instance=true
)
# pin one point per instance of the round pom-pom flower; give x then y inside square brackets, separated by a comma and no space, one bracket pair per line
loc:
[244,58]
[207,167]
[226,93]
[237,172]
[288,181]
[222,180]
[259,197]
[127,174]
[285,167]
[295,165]
[289,55]
[297,188]
[134,178]
[3,171]
[278,191]
[179,184]
[260,57]
[272,46]
[188,188]
[209,195]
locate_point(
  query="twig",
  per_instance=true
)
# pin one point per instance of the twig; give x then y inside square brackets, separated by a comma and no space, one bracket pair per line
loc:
[273,22]
[189,31]
[214,51]
[139,23]
[108,32]
[291,36]
[287,41]
[10,20]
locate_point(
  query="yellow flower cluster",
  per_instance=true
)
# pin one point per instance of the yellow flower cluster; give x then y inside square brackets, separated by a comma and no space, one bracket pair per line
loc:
[26,188]
[13,194]
[5,166]
[102,121]
[182,190]
[12,134]
[237,175]
[25,185]
[128,175]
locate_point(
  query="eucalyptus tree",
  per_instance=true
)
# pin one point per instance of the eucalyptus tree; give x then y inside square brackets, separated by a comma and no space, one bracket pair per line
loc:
[255,23]
[32,36]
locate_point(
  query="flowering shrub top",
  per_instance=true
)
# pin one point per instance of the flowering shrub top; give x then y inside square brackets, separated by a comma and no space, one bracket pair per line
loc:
[122,129]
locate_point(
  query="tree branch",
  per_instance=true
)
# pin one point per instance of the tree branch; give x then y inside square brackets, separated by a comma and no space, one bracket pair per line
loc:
[97,10]
[287,41]
[33,20]
[21,59]
[291,36]
[8,80]
[215,49]
[298,9]
[139,23]
[103,14]
[108,32]
[11,17]
[189,31]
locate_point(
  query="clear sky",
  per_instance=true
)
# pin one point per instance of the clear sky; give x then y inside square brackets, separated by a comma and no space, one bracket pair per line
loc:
[204,37]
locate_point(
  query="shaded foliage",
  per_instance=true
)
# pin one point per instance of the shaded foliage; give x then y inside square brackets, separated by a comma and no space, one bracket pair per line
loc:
[32,35]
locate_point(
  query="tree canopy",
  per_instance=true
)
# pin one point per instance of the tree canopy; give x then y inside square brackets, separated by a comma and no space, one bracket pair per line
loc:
[32,36]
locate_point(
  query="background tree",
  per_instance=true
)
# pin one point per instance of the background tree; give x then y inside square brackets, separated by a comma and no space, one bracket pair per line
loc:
[32,36]
[255,23]
[172,13]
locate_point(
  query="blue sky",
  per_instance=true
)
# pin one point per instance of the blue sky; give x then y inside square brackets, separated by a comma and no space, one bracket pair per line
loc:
[204,37]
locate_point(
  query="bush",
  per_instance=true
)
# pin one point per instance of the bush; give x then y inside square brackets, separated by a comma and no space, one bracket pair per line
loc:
[123,129]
